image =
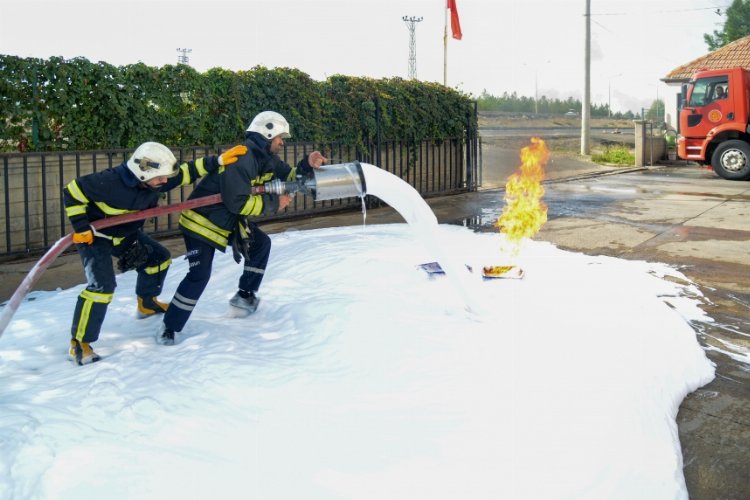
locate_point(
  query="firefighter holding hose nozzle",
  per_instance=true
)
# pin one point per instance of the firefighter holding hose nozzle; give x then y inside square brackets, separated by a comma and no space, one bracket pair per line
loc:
[211,228]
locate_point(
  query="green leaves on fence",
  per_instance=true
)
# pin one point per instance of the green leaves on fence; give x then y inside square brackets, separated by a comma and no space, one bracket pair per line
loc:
[76,104]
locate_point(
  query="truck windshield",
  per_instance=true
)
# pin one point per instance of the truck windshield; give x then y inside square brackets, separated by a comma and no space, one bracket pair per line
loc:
[706,90]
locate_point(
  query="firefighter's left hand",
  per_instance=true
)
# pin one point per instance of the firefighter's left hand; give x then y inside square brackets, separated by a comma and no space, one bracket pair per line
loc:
[230,156]
[86,237]
[316,159]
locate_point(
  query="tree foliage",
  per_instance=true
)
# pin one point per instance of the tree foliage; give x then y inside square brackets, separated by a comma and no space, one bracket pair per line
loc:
[76,104]
[736,26]
[521,104]
[656,111]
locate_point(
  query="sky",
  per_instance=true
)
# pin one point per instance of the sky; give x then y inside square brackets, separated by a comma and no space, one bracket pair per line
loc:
[362,377]
[532,47]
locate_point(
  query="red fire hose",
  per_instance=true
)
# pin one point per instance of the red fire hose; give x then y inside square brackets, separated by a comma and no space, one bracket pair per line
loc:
[59,247]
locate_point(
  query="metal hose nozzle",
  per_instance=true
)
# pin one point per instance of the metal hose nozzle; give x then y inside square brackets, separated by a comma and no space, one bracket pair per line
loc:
[279,187]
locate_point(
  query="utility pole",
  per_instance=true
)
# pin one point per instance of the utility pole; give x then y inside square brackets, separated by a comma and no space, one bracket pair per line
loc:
[586,111]
[411,23]
[445,51]
[183,59]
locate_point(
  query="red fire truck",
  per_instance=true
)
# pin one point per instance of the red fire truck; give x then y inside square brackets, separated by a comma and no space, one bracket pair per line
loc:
[714,126]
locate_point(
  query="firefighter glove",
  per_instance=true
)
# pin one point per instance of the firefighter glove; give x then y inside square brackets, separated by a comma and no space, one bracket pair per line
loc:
[134,257]
[84,237]
[242,238]
[230,156]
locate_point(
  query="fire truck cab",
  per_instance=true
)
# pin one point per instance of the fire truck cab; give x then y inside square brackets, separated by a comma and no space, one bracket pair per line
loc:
[714,127]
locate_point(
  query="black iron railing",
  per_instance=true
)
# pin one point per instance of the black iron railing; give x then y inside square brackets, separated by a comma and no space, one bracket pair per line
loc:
[32,183]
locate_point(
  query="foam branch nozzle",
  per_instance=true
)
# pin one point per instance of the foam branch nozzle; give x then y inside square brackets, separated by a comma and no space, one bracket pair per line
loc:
[329,182]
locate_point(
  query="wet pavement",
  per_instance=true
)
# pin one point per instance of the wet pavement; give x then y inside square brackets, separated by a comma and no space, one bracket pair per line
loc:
[681,215]
[688,217]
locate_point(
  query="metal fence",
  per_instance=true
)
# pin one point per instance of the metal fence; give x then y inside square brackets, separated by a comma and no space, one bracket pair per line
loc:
[31,186]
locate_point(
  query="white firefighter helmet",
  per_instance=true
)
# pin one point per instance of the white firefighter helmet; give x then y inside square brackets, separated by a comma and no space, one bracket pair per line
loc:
[270,124]
[152,159]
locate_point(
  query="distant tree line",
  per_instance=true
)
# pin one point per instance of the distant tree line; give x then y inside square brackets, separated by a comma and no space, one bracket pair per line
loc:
[523,104]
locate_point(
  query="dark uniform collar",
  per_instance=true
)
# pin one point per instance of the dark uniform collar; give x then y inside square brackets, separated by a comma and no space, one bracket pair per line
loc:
[260,146]
[128,178]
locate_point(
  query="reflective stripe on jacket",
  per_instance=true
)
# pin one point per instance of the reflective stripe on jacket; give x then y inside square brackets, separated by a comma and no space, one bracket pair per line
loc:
[214,223]
[116,191]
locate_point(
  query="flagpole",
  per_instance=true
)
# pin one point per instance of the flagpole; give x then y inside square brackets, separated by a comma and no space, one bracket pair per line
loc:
[445,47]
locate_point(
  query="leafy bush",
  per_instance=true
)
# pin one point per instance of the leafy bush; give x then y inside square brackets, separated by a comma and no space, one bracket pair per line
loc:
[618,155]
[77,104]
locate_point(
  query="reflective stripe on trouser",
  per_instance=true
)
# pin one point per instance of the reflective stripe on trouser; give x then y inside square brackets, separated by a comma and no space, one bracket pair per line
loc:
[153,272]
[200,257]
[255,266]
[93,301]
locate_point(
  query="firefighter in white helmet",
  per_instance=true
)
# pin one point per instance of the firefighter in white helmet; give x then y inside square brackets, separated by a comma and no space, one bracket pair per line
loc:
[215,227]
[134,185]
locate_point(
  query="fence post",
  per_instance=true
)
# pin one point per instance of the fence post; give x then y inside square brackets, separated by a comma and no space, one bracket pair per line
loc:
[640,142]
[476,149]
[471,151]
[377,132]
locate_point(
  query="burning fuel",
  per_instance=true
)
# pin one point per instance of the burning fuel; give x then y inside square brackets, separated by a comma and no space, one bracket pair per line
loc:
[525,213]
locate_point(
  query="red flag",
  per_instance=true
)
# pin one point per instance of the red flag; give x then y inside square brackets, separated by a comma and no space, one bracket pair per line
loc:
[455,25]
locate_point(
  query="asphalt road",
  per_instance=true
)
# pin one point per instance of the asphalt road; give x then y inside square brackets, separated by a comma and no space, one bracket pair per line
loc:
[553,131]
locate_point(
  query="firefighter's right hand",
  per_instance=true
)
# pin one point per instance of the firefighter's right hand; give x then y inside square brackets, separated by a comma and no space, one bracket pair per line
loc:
[284,201]
[84,237]
[230,156]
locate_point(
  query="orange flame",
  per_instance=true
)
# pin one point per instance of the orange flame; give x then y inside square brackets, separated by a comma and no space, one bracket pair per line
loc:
[525,213]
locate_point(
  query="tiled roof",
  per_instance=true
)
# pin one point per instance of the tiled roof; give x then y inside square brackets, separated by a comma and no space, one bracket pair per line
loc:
[731,55]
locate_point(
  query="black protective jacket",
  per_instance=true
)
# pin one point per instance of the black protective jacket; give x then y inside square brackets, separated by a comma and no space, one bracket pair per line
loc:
[214,223]
[116,191]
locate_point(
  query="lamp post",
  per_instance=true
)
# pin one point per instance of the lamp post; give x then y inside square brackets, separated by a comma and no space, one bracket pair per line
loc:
[536,86]
[657,104]
[609,93]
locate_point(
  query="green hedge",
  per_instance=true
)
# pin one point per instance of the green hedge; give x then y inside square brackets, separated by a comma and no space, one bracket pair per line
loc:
[75,104]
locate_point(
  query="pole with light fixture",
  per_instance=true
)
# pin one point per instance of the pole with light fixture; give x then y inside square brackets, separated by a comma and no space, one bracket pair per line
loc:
[609,93]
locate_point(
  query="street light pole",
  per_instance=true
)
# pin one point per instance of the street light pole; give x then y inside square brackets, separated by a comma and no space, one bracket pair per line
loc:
[657,104]
[536,85]
[609,93]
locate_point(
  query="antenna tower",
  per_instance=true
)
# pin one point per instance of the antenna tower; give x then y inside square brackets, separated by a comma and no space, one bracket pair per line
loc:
[411,24]
[183,58]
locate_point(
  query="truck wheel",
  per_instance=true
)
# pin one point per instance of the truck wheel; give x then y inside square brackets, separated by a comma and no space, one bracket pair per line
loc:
[731,160]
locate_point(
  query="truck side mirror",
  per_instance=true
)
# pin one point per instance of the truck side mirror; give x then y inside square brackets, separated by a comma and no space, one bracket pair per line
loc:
[683,95]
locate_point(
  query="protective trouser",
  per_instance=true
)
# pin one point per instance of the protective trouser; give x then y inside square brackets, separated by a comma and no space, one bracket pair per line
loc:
[93,301]
[255,265]
[200,256]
